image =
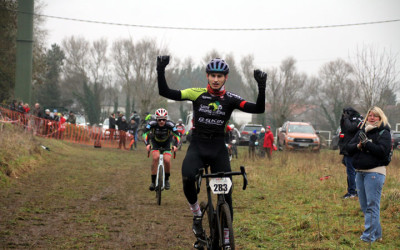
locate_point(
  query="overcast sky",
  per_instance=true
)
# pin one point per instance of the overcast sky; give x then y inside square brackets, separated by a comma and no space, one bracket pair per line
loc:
[310,47]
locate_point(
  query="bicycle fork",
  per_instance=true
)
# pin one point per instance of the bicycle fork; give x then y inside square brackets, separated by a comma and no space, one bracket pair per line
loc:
[160,166]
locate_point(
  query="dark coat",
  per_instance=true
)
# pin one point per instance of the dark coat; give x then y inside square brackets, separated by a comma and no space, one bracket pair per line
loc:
[349,125]
[375,151]
[112,122]
[123,125]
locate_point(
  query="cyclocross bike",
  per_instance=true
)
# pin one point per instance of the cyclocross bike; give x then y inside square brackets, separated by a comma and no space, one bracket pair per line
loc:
[219,218]
[160,177]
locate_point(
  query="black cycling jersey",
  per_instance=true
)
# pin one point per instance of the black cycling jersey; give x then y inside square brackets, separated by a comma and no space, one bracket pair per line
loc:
[211,113]
[160,135]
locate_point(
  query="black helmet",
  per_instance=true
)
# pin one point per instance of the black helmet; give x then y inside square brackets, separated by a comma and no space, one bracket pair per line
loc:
[217,65]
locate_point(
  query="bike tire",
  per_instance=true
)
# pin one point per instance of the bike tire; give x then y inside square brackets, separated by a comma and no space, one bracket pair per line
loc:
[225,221]
[210,226]
[160,183]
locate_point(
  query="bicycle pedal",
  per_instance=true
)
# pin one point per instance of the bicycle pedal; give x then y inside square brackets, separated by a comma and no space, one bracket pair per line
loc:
[199,244]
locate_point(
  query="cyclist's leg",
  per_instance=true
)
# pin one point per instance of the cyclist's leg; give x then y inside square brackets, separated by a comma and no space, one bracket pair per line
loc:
[167,166]
[190,168]
[155,153]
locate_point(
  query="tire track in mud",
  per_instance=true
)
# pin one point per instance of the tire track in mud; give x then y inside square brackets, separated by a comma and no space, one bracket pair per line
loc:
[93,198]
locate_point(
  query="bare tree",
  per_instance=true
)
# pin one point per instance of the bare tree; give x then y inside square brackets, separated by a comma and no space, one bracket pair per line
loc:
[136,69]
[376,76]
[285,91]
[333,90]
[86,72]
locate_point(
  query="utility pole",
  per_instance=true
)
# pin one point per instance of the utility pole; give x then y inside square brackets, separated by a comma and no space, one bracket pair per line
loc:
[23,71]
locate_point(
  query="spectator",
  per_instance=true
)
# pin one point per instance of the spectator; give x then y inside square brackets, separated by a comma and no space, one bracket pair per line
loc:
[47,115]
[252,145]
[370,149]
[269,142]
[122,128]
[235,140]
[14,105]
[26,108]
[38,113]
[111,127]
[20,107]
[61,125]
[260,147]
[132,129]
[48,125]
[136,117]
[349,125]
[71,118]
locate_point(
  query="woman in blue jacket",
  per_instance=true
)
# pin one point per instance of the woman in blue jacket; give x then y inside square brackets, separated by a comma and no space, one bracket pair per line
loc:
[370,148]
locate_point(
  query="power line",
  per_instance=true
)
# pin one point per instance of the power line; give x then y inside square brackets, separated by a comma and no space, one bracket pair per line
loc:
[211,29]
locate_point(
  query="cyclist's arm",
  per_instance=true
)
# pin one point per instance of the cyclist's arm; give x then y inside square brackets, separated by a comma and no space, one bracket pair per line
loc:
[164,90]
[258,107]
[146,132]
[175,133]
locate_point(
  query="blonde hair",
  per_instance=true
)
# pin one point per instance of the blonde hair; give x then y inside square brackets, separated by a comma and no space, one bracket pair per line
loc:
[378,112]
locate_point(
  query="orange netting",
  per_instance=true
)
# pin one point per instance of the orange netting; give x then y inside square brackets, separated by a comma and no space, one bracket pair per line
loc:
[88,135]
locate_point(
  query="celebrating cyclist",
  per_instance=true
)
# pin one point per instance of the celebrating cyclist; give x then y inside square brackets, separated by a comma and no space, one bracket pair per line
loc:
[212,108]
[160,132]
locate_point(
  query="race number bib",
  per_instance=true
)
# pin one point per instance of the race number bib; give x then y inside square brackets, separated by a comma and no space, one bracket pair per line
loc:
[220,185]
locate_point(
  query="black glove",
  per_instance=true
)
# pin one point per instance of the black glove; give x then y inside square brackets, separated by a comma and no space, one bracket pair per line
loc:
[261,78]
[162,62]
[363,138]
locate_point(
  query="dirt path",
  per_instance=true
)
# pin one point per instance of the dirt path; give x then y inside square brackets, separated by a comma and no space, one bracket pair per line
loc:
[83,199]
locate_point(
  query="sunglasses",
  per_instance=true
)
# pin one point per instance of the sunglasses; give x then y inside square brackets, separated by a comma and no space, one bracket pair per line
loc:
[161,120]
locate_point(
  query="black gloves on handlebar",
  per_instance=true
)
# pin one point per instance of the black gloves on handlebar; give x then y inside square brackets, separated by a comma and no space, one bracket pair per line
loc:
[261,78]
[162,62]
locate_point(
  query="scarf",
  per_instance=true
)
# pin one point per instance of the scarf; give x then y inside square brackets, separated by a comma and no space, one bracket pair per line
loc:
[219,92]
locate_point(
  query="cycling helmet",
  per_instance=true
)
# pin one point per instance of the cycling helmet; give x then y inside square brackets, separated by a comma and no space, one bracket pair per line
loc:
[217,65]
[161,113]
[179,120]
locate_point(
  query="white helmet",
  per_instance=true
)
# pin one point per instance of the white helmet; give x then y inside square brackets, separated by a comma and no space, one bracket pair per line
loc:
[161,113]
[232,126]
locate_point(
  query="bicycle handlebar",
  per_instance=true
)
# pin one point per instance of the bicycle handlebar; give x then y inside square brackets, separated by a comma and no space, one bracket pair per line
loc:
[220,174]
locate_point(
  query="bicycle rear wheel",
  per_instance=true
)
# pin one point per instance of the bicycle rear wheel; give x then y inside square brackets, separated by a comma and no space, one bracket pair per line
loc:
[225,225]
[159,184]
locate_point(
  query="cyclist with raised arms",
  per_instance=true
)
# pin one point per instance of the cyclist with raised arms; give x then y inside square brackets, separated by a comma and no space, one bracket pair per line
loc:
[158,134]
[212,108]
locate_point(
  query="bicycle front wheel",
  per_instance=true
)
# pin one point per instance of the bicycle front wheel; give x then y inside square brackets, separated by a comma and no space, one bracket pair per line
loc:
[159,184]
[226,227]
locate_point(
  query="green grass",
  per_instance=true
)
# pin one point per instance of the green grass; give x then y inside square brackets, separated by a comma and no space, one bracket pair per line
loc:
[288,206]
[80,197]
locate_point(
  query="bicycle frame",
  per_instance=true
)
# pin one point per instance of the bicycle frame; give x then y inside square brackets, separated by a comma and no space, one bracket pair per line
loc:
[160,165]
[214,220]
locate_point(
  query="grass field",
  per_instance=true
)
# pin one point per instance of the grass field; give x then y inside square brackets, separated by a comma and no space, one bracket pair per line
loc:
[80,197]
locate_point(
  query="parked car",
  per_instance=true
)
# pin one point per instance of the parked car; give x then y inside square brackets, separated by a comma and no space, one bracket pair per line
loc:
[246,130]
[396,140]
[298,136]
[105,128]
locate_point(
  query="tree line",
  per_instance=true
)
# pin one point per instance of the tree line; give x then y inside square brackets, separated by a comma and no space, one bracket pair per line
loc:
[95,76]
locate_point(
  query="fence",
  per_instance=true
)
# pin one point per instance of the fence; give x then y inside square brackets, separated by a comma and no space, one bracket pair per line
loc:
[88,135]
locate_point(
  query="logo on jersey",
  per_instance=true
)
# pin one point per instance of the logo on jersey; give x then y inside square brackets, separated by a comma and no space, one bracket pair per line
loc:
[210,121]
[234,95]
[214,106]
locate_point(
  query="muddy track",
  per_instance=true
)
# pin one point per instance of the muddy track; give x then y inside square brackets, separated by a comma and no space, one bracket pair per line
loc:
[83,197]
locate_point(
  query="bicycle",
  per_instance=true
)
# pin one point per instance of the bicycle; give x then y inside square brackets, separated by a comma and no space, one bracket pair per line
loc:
[219,218]
[160,177]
